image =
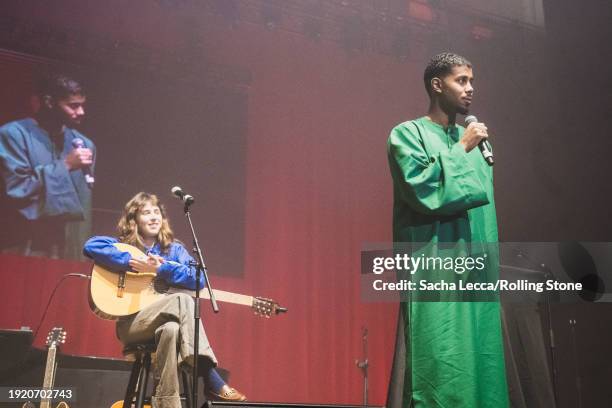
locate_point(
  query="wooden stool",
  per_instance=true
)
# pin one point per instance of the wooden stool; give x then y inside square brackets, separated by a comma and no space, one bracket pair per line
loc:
[139,378]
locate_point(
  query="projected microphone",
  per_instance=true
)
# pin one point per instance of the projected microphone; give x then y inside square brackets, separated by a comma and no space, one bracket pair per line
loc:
[484,145]
[78,143]
[180,194]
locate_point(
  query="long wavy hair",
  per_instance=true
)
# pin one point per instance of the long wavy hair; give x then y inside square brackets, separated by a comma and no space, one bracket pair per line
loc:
[128,224]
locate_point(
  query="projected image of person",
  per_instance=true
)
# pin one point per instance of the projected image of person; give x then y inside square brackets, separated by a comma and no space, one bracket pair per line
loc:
[46,168]
[448,353]
[169,321]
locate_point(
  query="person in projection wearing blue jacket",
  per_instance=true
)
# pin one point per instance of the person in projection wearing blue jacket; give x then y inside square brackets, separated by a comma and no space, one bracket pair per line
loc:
[169,321]
[46,174]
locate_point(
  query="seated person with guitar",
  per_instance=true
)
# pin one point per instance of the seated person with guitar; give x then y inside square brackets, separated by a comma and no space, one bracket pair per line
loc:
[169,320]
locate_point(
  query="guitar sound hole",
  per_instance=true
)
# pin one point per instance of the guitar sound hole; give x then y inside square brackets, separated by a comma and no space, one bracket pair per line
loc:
[160,285]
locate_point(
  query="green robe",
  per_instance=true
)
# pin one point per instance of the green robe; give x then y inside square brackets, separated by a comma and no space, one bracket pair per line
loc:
[448,354]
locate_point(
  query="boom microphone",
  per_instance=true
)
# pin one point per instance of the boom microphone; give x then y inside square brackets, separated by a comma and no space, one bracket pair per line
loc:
[180,194]
[484,145]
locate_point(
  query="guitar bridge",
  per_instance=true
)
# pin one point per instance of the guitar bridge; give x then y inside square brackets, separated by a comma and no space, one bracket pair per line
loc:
[121,285]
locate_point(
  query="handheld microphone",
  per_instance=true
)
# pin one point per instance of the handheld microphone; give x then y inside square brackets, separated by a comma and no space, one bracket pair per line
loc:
[484,145]
[180,194]
[77,143]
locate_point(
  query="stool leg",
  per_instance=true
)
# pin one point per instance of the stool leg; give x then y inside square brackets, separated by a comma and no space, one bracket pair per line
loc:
[186,389]
[143,380]
[134,376]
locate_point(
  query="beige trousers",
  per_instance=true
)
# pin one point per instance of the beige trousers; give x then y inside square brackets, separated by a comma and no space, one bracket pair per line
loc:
[170,323]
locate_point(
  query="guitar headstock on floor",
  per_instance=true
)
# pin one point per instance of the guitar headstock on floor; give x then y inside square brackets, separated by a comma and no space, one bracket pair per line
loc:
[56,336]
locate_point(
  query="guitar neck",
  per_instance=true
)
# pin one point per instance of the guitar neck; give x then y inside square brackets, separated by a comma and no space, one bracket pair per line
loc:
[220,295]
[49,375]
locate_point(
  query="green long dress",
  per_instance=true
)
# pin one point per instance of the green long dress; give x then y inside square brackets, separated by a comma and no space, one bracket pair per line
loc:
[448,353]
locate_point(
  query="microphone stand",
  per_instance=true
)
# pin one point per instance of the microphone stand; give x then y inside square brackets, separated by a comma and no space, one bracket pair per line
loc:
[547,273]
[364,365]
[200,266]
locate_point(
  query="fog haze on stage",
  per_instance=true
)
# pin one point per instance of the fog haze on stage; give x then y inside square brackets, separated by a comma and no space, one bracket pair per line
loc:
[279,132]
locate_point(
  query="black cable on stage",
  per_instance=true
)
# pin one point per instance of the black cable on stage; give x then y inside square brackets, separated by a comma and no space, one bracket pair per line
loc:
[57,285]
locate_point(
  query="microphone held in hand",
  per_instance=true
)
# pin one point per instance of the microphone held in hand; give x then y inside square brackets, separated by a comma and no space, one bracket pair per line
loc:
[180,194]
[77,143]
[484,145]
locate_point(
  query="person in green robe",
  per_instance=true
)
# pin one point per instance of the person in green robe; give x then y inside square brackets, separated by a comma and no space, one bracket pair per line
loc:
[449,351]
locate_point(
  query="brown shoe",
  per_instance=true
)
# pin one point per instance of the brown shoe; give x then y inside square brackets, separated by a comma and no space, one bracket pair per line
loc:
[227,394]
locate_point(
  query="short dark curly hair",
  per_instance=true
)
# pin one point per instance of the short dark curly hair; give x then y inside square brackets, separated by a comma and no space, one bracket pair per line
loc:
[442,65]
[58,85]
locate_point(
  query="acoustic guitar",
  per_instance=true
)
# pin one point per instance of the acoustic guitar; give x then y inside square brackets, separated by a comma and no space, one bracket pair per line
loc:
[119,404]
[55,337]
[113,295]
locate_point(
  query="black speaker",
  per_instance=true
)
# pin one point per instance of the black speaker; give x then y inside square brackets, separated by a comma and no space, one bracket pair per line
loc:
[98,382]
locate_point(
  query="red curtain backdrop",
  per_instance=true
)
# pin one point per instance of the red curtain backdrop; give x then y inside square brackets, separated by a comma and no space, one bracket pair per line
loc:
[317,188]
[307,355]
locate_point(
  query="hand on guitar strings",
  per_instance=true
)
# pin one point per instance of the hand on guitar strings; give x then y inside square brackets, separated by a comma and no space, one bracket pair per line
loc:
[150,264]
